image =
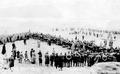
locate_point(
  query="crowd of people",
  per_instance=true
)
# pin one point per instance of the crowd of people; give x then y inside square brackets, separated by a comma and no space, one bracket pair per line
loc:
[82,53]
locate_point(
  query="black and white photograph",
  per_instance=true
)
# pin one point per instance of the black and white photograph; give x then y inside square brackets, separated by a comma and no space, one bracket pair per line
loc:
[59,36]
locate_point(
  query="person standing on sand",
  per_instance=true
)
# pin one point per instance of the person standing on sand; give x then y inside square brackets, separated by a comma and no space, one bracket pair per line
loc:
[26,57]
[68,57]
[31,52]
[21,57]
[52,59]
[56,60]
[18,54]
[33,60]
[40,57]
[24,41]
[38,43]
[11,62]
[3,49]
[47,59]
[13,46]
[60,61]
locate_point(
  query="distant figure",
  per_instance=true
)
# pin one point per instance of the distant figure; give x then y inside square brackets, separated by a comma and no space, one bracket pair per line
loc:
[26,57]
[4,49]
[21,57]
[24,41]
[38,42]
[97,35]
[75,63]
[61,61]
[83,37]
[49,42]
[13,46]
[18,54]
[40,57]
[33,60]
[31,51]
[68,57]
[91,60]
[14,53]
[47,59]
[65,60]
[52,59]
[76,38]
[11,62]
[56,61]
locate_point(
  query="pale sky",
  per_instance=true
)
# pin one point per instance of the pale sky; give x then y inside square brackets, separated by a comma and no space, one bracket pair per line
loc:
[17,15]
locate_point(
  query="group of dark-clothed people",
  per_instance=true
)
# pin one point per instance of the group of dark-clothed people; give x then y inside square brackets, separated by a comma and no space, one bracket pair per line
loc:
[80,59]
[83,54]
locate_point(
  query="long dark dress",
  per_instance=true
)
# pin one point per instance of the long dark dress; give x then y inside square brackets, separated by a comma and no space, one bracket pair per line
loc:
[82,59]
[60,61]
[18,54]
[52,59]
[3,49]
[56,61]
[33,58]
[46,59]
[65,60]
[13,46]
[40,57]
[14,54]
[31,52]
[24,41]
[11,60]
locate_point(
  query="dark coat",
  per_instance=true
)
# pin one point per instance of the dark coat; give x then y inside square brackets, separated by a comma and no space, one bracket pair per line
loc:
[47,59]
[40,57]
[56,60]
[60,58]
[4,49]
[11,60]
